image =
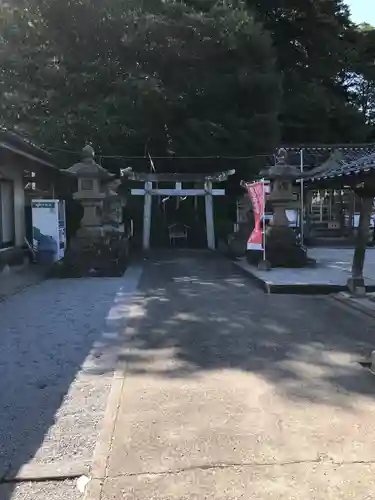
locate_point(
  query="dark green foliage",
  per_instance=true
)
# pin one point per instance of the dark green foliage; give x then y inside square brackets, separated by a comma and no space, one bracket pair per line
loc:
[361,81]
[167,76]
[194,78]
[317,48]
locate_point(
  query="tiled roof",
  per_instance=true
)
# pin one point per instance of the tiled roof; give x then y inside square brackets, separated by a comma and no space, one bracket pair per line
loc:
[329,161]
[340,167]
[316,156]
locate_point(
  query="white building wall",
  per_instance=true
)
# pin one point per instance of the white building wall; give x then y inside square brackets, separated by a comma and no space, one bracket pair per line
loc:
[15,173]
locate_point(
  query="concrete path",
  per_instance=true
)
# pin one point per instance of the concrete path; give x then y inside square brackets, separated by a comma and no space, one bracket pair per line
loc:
[58,346]
[230,393]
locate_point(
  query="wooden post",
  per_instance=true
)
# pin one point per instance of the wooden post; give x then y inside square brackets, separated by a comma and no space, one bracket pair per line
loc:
[352,199]
[147,216]
[321,206]
[356,283]
[341,213]
[209,216]
[330,202]
[308,213]
[196,204]
[178,186]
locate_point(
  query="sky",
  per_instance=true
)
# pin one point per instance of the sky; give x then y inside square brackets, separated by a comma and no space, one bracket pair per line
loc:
[362,10]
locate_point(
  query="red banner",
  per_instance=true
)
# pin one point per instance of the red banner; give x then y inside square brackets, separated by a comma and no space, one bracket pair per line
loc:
[257,195]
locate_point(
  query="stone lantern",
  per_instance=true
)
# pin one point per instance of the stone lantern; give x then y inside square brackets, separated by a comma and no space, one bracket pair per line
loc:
[283,248]
[100,247]
[92,180]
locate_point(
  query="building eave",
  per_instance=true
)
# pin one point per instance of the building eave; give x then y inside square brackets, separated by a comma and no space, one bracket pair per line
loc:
[29,156]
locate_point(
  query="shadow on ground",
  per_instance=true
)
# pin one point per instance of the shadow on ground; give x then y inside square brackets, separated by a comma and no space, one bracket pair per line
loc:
[47,334]
[193,315]
[190,316]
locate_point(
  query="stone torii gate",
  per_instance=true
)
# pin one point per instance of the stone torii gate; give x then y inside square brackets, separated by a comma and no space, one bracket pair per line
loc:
[178,179]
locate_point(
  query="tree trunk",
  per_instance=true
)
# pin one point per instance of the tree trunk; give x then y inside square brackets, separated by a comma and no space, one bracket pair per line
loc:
[356,283]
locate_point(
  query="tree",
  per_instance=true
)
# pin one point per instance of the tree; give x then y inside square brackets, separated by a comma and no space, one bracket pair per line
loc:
[177,78]
[315,43]
[361,81]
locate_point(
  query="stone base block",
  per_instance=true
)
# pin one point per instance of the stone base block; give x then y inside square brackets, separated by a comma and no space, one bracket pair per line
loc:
[283,249]
[357,286]
[96,256]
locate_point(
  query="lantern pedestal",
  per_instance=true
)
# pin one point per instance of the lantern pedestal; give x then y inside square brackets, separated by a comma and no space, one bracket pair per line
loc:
[283,248]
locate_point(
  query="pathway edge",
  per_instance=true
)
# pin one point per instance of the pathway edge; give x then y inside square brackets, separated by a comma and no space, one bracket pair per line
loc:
[353,305]
[102,449]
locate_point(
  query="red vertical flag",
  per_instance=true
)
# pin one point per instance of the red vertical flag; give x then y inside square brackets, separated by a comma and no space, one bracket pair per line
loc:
[257,195]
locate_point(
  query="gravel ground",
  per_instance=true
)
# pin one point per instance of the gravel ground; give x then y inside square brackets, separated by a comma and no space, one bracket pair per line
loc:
[51,490]
[57,347]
